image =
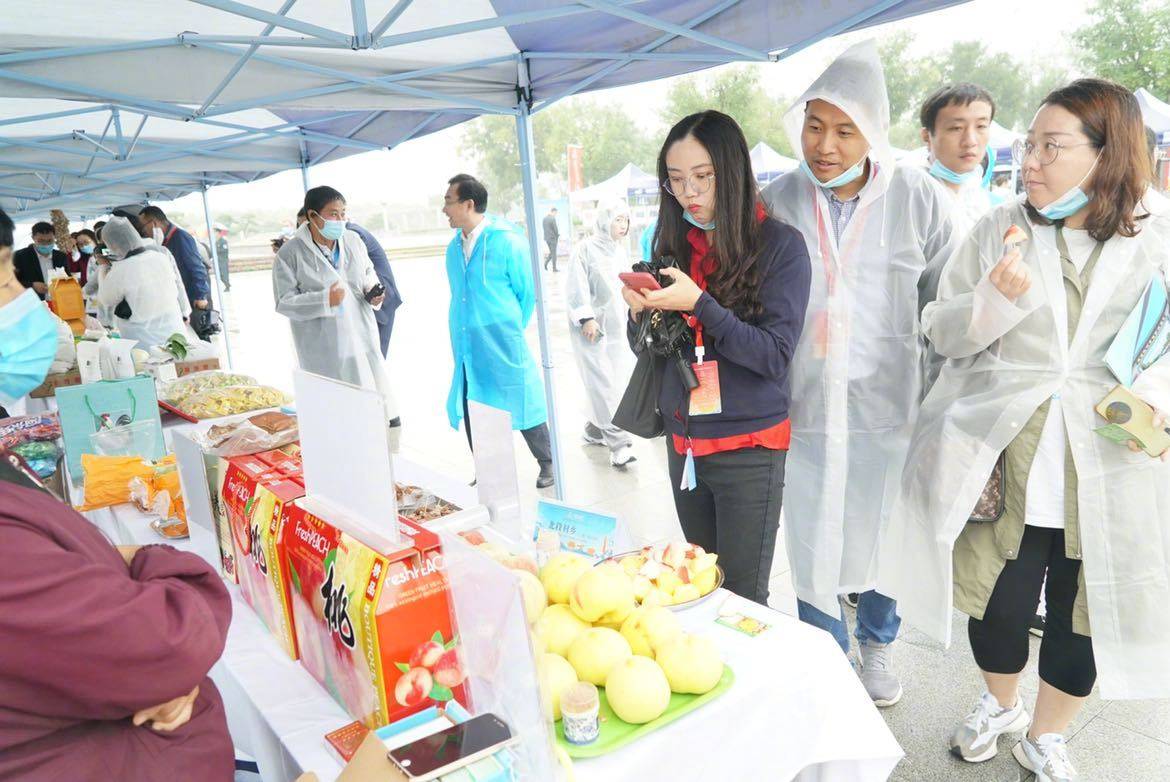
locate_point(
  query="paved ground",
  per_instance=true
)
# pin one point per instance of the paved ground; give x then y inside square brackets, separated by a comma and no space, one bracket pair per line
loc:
[1111,742]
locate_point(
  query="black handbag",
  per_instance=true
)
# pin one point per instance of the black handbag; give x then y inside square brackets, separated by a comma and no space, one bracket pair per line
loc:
[638,412]
[206,322]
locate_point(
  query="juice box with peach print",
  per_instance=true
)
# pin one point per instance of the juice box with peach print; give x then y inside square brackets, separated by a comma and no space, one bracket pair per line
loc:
[372,619]
[261,558]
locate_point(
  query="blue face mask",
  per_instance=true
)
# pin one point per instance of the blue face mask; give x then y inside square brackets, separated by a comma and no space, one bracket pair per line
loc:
[705,226]
[939,171]
[842,179]
[333,229]
[28,344]
[1072,201]
[87,249]
[44,249]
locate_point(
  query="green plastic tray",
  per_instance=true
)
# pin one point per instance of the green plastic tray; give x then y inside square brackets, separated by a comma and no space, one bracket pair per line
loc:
[616,733]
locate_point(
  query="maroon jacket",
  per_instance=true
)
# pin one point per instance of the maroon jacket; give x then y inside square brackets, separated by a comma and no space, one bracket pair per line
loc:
[85,642]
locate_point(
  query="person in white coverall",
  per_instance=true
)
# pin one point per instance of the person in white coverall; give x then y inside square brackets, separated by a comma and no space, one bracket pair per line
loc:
[597,326]
[877,236]
[320,282]
[138,286]
[1025,329]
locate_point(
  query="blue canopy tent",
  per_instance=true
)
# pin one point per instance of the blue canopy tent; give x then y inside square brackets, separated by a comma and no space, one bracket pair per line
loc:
[141,99]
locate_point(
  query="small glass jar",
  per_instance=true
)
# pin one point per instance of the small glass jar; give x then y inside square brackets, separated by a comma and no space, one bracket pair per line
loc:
[580,708]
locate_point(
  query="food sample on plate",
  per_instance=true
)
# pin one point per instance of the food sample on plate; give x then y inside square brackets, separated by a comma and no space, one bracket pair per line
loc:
[419,504]
[178,391]
[671,573]
[232,400]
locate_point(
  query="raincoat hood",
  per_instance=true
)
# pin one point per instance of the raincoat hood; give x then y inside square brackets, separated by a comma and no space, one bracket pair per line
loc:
[856,84]
[607,211]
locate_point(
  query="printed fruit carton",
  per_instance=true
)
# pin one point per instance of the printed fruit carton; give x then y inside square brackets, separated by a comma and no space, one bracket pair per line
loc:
[282,462]
[372,619]
[233,482]
[261,559]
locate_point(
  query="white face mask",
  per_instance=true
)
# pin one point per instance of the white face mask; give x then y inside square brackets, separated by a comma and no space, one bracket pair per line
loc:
[158,235]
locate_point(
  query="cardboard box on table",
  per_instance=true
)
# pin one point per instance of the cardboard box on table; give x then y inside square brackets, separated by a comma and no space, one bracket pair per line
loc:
[261,560]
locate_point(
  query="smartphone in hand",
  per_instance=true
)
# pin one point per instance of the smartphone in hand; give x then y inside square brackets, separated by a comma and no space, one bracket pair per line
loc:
[640,281]
[375,292]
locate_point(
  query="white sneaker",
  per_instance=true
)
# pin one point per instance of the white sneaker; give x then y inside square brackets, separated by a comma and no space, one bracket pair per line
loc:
[589,438]
[975,739]
[1047,756]
[622,456]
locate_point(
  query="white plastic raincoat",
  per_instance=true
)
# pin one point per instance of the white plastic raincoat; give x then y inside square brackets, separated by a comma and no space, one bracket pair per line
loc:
[338,342]
[144,281]
[1004,360]
[858,371]
[592,292]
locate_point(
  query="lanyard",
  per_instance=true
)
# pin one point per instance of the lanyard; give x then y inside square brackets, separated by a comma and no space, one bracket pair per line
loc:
[691,320]
[170,233]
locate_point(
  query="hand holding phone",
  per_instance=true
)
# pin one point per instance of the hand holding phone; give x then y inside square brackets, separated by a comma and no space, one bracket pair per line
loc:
[375,292]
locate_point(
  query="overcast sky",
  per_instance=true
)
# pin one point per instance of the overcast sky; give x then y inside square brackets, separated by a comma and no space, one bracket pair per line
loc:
[419,168]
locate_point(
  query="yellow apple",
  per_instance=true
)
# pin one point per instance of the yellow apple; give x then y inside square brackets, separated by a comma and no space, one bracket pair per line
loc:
[691,663]
[535,600]
[595,652]
[637,690]
[616,617]
[602,589]
[650,628]
[558,627]
[560,573]
[555,675]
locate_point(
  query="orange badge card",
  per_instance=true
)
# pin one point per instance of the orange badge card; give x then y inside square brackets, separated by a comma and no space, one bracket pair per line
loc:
[706,399]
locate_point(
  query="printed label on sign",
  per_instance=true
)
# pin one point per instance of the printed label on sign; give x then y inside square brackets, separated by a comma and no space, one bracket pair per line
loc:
[706,399]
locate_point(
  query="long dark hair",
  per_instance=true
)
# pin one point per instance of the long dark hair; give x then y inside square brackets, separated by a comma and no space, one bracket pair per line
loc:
[1112,119]
[735,283]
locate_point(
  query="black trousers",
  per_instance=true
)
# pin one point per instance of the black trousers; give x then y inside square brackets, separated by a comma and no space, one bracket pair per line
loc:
[552,254]
[733,511]
[999,641]
[537,438]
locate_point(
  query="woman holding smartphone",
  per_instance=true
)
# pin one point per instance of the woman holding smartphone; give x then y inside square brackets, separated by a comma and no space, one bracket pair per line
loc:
[1027,309]
[324,282]
[744,299]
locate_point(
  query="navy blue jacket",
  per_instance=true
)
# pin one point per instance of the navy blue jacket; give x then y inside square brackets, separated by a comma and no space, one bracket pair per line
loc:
[182,245]
[385,315]
[754,358]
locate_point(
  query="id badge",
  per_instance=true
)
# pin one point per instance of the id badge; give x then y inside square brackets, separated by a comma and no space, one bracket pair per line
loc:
[706,399]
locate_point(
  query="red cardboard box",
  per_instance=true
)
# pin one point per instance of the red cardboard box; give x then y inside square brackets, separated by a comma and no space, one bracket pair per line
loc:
[234,483]
[282,462]
[260,555]
[373,620]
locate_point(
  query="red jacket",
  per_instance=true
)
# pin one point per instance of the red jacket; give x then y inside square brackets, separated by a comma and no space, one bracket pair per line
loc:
[85,642]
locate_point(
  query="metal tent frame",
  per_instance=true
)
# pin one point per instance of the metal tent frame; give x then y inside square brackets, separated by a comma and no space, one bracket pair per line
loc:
[344,109]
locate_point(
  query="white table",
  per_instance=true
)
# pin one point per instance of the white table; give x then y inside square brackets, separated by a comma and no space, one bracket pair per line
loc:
[796,710]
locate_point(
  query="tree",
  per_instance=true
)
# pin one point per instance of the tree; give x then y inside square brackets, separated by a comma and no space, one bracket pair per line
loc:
[736,92]
[1128,41]
[1016,88]
[610,137]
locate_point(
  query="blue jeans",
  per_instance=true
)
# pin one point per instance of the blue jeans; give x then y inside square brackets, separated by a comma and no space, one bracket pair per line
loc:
[877,620]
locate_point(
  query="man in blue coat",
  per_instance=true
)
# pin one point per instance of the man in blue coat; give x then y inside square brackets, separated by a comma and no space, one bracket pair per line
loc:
[385,315]
[492,300]
[153,223]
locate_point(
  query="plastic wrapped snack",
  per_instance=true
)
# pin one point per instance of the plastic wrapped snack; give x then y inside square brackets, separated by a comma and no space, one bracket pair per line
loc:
[232,400]
[36,439]
[263,432]
[179,391]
